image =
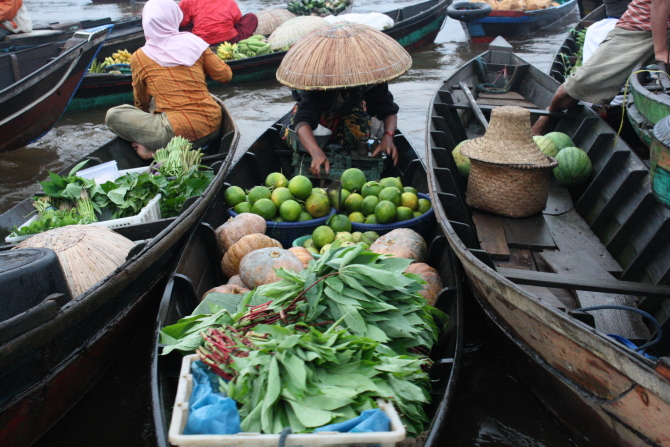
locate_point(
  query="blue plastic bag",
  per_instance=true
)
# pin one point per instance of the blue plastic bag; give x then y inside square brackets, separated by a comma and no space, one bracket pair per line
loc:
[210,412]
[369,421]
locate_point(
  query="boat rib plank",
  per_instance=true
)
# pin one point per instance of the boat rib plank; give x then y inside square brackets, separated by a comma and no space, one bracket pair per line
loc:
[491,234]
[623,323]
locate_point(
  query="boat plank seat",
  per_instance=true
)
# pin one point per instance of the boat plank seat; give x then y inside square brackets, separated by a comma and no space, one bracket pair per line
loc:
[533,112]
[623,323]
[505,102]
[530,232]
[572,234]
[491,233]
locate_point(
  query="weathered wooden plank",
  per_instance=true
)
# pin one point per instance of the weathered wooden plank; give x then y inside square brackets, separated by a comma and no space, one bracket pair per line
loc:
[491,234]
[531,232]
[473,103]
[545,295]
[519,259]
[626,324]
[545,279]
[559,200]
[506,95]
[537,112]
[505,102]
[572,234]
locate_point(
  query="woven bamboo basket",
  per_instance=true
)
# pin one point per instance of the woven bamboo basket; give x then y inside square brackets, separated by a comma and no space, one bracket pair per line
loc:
[87,253]
[509,174]
[343,55]
[270,19]
[290,31]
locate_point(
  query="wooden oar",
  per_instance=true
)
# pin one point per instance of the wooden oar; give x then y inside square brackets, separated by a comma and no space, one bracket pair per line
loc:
[475,107]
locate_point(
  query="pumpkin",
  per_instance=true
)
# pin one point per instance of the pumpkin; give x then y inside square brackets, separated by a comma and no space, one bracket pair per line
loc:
[258,267]
[230,264]
[226,288]
[303,254]
[402,243]
[428,274]
[236,281]
[236,228]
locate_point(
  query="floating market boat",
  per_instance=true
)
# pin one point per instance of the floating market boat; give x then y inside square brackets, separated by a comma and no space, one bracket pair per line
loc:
[647,100]
[415,26]
[569,55]
[126,34]
[52,353]
[603,243]
[482,28]
[198,270]
[37,83]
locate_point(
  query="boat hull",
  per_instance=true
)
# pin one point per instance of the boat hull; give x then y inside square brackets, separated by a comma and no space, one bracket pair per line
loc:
[32,106]
[645,107]
[416,31]
[198,271]
[515,23]
[607,394]
[47,367]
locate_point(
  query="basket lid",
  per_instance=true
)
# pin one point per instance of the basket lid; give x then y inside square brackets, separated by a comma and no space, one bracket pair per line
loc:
[508,141]
[293,29]
[343,55]
[87,253]
[270,19]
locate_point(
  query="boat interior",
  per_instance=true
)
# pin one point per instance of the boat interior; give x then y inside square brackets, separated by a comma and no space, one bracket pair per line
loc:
[15,66]
[603,243]
[198,268]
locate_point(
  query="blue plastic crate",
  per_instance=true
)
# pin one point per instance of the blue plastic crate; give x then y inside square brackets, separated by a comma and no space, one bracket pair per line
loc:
[287,232]
[422,224]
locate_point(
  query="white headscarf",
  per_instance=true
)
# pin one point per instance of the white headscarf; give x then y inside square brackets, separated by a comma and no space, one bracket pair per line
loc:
[165,44]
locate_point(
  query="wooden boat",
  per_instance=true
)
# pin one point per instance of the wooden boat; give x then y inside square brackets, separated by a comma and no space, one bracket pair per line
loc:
[514,23]
[605,241]
[51,354]
[126,34]
[647,100]
[570,52]
[415,26]
[37,83]
[198,270]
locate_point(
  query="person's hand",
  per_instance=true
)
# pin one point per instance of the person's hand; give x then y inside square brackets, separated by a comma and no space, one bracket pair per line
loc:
[387,145]
[318,159]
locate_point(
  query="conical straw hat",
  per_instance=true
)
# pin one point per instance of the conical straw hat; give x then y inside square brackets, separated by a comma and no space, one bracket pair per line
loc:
[270,19]
[293,29]
[342,55]
[508,141]
[87,253]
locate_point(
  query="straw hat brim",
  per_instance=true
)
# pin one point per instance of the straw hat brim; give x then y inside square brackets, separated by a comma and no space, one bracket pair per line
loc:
[343,55]
[480,149]
[270,19]
[293,29]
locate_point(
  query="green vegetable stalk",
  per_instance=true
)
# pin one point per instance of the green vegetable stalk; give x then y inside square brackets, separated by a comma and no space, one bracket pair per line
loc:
[301,377]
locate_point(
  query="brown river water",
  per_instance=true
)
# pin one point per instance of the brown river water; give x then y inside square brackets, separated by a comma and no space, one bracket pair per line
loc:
[492,407]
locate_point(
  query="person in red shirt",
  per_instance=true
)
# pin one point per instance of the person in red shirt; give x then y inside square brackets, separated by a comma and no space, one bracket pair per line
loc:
[216,21]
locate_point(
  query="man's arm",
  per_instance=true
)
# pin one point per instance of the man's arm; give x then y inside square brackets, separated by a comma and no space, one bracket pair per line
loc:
[660,10]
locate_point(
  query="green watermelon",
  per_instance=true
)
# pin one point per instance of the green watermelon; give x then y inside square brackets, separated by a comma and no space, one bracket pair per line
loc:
[560,139]
[574,166]
[462,162]
[546,145]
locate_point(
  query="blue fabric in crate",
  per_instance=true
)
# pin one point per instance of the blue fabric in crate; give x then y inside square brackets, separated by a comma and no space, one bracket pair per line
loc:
[210,413]
[369,421]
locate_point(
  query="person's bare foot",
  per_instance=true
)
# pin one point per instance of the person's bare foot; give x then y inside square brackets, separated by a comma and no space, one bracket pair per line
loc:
[144,152]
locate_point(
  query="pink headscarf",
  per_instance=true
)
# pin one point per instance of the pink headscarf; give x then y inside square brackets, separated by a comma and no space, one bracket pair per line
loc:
[165,44]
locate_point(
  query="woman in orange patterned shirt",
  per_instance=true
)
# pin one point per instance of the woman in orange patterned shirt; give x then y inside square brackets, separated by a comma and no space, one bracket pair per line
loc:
[169,85]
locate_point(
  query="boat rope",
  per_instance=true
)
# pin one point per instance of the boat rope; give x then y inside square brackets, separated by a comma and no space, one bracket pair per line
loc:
[659,330]
[283,435]
[488,87]
[625,94]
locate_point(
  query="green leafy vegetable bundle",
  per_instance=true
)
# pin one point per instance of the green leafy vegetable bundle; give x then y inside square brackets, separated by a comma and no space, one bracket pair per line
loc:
[74,200]
[367,290]
[301,377]
[285,372]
